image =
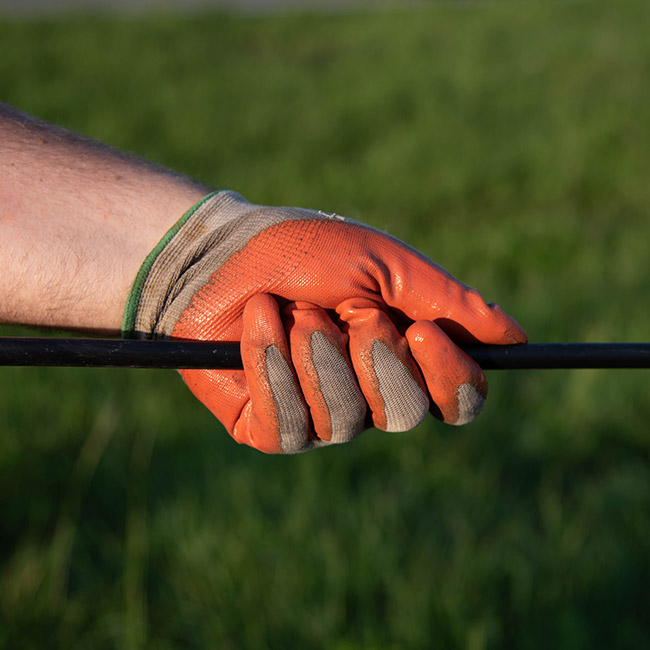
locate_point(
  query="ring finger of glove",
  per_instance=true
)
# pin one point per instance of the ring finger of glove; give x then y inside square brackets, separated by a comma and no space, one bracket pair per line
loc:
[328,383]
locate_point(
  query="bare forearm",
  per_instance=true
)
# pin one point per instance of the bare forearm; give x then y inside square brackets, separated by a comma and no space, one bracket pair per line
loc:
[77,219]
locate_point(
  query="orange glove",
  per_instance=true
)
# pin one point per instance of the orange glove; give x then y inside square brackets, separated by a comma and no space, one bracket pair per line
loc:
[341,327]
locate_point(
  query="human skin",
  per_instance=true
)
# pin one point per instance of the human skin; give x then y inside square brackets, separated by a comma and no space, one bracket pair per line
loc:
[77,218]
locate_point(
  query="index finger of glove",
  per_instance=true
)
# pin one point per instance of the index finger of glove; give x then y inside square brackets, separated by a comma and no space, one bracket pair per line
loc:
[422,290]
[455,382]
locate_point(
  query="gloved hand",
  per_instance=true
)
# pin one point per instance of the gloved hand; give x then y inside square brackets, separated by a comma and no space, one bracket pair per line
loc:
[341,327]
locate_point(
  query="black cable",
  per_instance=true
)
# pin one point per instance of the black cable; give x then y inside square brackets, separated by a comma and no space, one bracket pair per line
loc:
[193,354]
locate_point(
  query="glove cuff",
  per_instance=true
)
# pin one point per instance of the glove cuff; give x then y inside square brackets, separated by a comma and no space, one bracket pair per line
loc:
[135,294]
[196,247]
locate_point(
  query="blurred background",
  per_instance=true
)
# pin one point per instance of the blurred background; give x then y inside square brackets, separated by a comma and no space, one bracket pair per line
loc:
[508,141]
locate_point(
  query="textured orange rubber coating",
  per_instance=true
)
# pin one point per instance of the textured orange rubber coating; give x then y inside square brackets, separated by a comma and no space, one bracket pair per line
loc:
[367,294]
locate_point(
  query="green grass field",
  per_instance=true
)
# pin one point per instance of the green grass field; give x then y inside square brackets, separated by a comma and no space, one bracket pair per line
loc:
[508,141]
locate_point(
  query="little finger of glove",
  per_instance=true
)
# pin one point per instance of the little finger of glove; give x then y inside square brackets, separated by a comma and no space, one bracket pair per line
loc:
[276,419]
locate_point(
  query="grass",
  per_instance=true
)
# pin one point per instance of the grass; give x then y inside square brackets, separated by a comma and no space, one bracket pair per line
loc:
[508,141]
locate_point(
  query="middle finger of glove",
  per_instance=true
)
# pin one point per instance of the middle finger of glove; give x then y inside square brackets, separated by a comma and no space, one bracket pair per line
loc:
[388,376]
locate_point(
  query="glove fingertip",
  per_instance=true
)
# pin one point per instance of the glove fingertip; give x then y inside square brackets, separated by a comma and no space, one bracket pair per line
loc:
[405,403]
[513,332]
[470,404]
